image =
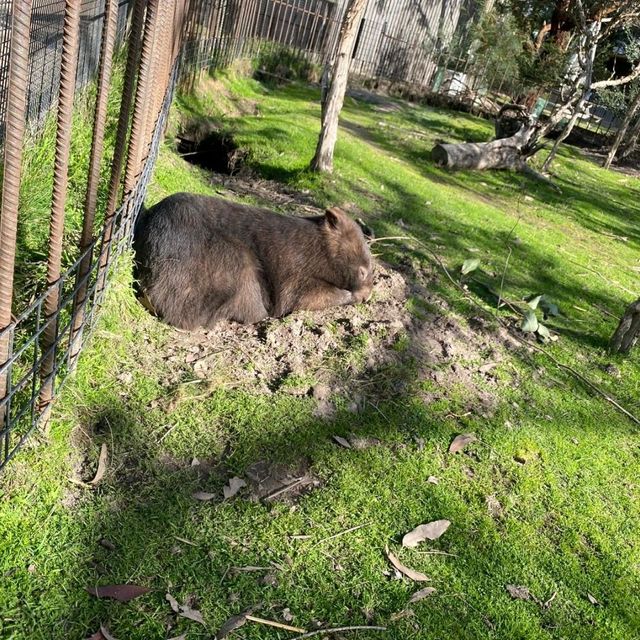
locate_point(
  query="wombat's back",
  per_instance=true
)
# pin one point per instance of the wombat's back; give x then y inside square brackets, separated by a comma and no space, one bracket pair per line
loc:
[200,259]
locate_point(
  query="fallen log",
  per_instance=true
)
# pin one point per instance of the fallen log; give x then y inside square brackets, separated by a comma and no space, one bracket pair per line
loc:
[504,153]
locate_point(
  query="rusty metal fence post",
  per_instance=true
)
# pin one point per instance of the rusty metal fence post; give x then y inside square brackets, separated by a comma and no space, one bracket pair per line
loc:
[97,145]
[142,89]
[60,184]
[133,56]
[15,125]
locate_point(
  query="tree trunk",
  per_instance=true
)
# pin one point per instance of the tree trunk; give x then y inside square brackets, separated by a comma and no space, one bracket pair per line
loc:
[323,159]
[631,112]
[628,331]
[632,140]
[591,35]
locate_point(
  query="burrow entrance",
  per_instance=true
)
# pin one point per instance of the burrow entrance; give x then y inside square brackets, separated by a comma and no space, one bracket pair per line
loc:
[213,149]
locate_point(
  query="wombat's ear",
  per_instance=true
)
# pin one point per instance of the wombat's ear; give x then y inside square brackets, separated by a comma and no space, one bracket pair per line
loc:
[335,217]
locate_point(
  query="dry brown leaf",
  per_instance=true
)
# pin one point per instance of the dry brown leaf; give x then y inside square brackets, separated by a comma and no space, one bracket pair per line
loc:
[105,632]
[410,573]
[592,600]
[485,368]
[191,614]
[173,602]
[433,480]
[343,442]
[401,615]
[203,496]
[422,594]
[518,593]
[233,623]
[430,531]
[102,634]
[119,592]
[102,465]
[461,441]
[235,484]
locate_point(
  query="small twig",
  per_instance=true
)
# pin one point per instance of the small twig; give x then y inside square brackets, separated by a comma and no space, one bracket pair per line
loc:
[272,623]
[341,533]
[337,630]
[193,544]
[547,604]
[389,238]
[294,484]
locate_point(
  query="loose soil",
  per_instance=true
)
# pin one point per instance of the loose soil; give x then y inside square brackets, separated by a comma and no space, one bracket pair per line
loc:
[353,355]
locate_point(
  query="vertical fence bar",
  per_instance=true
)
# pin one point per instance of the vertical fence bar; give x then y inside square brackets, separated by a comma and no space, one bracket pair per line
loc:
[138,117]
[133,56]
[60,182]
[97,145]
[16,114]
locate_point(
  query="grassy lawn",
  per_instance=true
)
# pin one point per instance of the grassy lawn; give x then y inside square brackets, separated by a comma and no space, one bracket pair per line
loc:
[546,498]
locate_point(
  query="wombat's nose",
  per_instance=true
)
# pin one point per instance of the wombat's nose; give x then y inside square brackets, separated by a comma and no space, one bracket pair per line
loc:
[362,295]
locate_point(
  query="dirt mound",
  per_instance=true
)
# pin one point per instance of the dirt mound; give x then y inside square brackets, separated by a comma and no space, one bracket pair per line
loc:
[360,354]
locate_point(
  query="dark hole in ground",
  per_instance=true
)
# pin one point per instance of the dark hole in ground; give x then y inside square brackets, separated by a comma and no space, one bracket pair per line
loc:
[217,152]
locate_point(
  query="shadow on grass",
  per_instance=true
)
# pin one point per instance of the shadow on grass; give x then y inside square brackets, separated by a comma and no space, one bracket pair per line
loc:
[199,551]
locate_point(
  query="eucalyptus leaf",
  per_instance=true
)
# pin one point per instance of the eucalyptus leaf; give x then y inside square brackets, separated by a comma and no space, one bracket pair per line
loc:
[533,302]
[529,322]
[543,332]
[469,265]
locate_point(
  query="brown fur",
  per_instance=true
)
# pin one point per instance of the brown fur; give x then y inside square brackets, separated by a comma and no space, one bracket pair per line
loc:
[201,259]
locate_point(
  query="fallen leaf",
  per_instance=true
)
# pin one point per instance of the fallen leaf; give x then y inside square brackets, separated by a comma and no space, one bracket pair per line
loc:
[410,573]
[105,632]
[119,592]
[286,615]
[433,480]
[173,602]
[592,600]
[422,594]
[203,496]
[494,507]
[102,634]
[518,593]
[461,441]
[102,465]
[233,623]
[191,614]
[235,484]
[469,265]
[343,442]
[485,368]
[430,531]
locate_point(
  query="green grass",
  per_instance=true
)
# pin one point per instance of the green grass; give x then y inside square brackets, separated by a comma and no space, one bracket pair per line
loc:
[569,522]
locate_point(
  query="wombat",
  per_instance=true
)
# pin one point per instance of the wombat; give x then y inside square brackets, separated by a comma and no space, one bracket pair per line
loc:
[201,259]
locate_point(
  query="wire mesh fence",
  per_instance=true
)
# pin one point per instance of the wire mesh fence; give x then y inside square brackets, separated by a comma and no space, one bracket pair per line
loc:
[39,347]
